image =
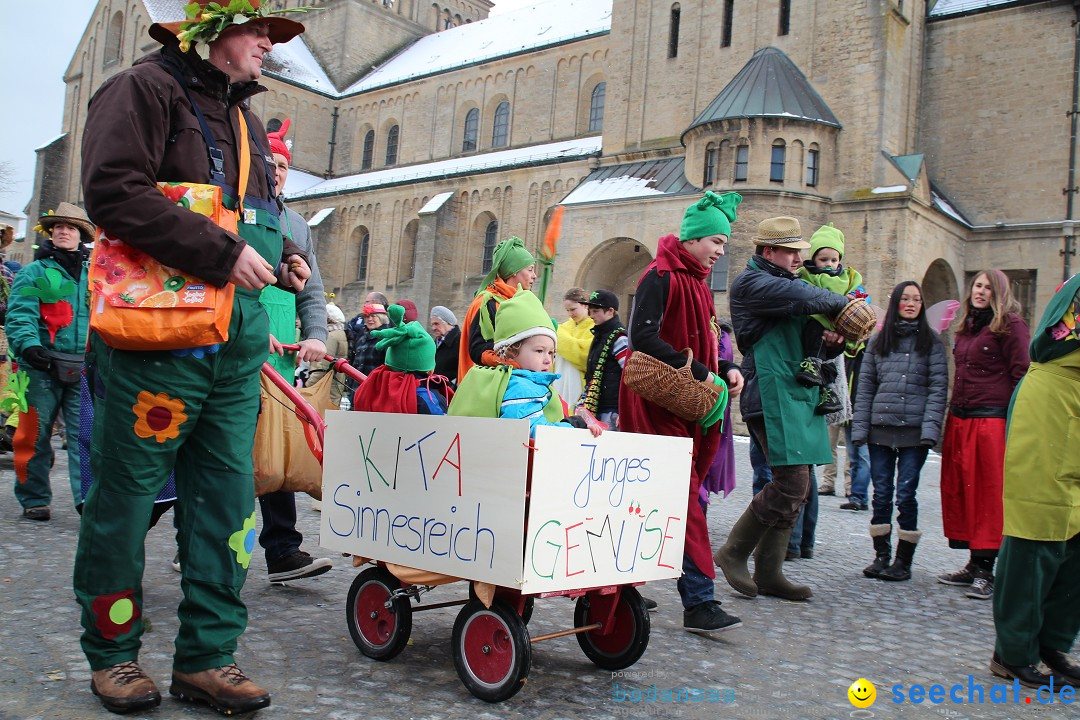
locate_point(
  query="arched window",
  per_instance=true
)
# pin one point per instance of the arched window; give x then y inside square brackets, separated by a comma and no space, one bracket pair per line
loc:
[369,150]
[362,239]
[500,129]
[742,162]
[407,261]
[785,18]
[776,166]
[812,166]
[391,146]
[472,130]
[673,31]
[491,238]
[709,176]
[596,108]
[114,38]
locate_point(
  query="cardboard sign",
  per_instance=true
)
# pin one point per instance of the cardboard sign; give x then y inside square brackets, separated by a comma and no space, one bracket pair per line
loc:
[441,494]
[606,510]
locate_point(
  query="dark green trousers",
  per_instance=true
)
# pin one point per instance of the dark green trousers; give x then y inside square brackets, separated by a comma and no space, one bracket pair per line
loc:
[155,412]
[1036,598]
[46,397]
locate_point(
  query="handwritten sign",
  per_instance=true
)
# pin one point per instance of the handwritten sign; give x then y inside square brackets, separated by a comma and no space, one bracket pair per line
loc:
[440,494]
[606,510]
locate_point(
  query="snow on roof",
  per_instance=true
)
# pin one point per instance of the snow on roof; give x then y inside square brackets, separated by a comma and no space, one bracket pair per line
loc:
[59,137]
[958,7]
[529,28]
[551,152]
[165,10]
[294,62]
[942,203]
[320,216]
[299,181]
[889,189]
[436,202]
[612,188]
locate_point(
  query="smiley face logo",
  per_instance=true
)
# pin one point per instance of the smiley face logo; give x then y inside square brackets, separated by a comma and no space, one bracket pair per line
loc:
[861,693]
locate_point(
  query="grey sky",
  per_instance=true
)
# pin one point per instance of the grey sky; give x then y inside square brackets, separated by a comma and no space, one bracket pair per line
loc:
[39,40]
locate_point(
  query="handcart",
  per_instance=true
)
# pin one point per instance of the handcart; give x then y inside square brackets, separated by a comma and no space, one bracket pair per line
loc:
[378,491]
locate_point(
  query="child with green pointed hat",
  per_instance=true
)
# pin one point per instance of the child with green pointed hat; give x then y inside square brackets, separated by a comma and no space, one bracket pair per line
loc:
[404,383]
[520,388]
[824,270]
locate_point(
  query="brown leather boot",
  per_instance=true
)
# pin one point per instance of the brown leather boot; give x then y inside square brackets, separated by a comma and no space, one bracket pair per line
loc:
[225,689]
[125,688]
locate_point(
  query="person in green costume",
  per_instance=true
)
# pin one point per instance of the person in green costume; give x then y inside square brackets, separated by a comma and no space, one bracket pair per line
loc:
[175,117]
[1037,589]
[769,309]
[46,315]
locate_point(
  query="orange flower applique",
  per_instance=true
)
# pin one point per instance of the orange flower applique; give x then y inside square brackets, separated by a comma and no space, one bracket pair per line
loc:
[158,416]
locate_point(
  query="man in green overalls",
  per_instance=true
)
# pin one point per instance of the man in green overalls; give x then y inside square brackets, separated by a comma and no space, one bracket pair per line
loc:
[769,307]
[175,117]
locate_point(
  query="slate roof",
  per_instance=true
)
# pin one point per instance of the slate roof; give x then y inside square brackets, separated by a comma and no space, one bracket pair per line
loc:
[769,85]
[947,8]
[633,180]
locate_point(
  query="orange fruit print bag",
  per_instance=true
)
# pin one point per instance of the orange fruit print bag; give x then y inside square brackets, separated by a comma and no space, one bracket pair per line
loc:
[136,303]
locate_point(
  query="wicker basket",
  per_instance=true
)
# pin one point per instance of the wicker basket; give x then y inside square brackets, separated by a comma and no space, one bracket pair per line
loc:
[675,390]
[856,321]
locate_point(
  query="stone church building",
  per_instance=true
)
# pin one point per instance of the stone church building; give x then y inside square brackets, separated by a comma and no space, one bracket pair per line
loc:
[936,135]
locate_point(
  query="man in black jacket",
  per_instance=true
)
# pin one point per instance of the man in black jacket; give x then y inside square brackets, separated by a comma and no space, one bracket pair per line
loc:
[607,355]
[769,307]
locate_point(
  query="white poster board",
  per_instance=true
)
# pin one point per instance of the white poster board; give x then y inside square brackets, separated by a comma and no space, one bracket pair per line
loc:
[606,510]
[443,494]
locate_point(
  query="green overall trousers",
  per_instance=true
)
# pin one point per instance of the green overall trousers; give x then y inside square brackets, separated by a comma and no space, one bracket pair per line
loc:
[194,412]
[281,309]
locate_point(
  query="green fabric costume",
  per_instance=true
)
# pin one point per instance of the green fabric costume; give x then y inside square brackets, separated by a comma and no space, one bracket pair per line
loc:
[1037,588]
[480,394]
[194,412]
[796,436]
[281,311]
[37,316]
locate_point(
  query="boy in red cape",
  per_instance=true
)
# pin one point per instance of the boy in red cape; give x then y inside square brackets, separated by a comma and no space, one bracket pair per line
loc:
[673,309]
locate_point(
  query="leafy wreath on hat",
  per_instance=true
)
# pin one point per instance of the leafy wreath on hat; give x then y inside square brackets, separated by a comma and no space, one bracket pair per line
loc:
[205,24]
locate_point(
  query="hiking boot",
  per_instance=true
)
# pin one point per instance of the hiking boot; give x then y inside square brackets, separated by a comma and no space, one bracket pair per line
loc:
[1028,676]
[962,577]
[829,403]
[826,490]
[124,688]
[828,372]
[41,513]
[982,587]
[709,617]
[225,689]
[297,565]
[810,372]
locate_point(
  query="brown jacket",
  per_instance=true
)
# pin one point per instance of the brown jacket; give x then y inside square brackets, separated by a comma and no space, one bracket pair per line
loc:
[141,130]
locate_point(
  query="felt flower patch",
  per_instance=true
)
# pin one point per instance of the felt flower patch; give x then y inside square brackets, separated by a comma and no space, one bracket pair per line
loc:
[114,613]
[158,416]
[243,541]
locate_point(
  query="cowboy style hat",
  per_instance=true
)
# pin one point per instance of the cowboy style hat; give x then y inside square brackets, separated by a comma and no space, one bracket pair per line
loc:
[783,231]
[72,215]
[281,30]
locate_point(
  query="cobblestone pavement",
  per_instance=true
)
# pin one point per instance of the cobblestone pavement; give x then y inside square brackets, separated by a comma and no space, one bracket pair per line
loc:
[789,660]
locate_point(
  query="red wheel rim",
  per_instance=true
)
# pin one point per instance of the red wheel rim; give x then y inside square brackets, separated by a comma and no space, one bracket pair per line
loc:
[373,620]
[621,635]
[488,648]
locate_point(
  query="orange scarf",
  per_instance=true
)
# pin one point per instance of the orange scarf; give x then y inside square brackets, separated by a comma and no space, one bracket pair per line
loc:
[497,291]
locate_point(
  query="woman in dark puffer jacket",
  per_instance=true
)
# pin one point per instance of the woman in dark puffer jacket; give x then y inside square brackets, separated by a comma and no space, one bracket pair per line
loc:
[899,410]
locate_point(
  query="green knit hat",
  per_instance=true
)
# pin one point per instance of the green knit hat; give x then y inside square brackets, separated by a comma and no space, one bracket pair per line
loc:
[711,215]
[510,257]
[408,346]
[827,236]
[520,317]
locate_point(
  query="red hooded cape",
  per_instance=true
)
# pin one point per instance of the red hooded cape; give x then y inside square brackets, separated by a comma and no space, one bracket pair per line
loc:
[689,322]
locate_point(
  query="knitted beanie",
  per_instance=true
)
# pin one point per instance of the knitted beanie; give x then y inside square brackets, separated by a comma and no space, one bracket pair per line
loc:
[510,257]
[445,314]
[408,346]
[711,215]
[520,317]
[827,236]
